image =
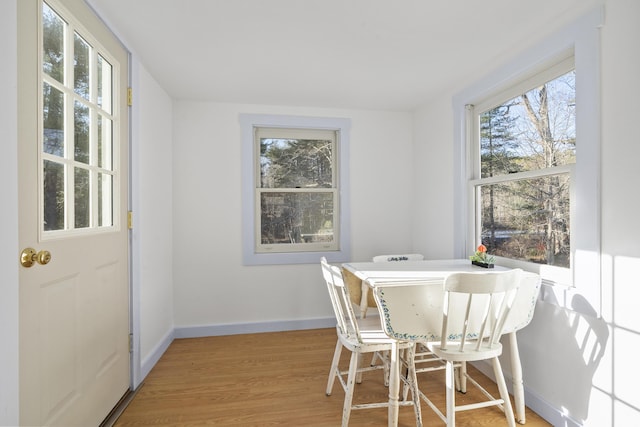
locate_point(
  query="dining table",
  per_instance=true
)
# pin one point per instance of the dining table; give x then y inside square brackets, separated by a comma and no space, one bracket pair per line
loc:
[375,274]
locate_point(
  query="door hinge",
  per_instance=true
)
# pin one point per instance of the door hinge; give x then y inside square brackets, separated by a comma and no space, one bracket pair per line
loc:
[129,97]
[130,220]
[130,343]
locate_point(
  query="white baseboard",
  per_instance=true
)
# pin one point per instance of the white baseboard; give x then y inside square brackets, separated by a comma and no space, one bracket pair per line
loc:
[150,361]
[250,328]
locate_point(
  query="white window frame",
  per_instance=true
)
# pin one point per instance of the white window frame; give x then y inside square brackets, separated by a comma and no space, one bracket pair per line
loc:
[558,275]
[253,253]
[580,41]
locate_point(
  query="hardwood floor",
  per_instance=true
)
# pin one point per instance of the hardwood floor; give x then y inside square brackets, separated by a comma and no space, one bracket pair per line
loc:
[275,379]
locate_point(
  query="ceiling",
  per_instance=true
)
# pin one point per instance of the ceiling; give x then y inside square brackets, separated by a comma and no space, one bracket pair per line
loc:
[371,54]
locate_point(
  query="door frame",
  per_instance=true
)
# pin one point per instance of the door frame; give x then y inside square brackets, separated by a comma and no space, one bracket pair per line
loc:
[136,375]
[9,295]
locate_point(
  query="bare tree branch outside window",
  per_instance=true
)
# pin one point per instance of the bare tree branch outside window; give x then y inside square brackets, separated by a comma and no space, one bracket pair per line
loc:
[528,218]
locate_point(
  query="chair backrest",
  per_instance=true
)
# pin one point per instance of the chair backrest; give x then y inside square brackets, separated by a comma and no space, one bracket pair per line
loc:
[487,302]
[345,316]
[398,257]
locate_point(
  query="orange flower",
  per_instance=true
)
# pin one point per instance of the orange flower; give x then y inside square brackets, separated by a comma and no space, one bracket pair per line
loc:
[482,248]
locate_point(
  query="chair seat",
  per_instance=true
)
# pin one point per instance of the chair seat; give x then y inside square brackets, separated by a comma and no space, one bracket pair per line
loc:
[468,354]
[371,339]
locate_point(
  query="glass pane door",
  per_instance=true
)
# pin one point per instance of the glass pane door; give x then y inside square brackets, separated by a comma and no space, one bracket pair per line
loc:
[77,153]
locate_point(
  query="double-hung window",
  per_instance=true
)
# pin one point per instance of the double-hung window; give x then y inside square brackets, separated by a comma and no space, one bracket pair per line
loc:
[524,151]
[527,170]
[295,189]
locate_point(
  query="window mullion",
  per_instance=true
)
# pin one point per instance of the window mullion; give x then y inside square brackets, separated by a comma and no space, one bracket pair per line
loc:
[69,129]
[556,170]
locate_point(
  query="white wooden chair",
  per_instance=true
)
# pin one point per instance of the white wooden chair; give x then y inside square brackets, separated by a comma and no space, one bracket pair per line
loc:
[490,295]
[359,336]
[461,321]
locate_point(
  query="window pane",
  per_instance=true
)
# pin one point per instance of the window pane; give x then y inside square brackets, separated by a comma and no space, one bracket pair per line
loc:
[296,217]
[78,120]
[295,163]
[105,150]
[81,51]
[82,198]
[53,43]
[528,219]
[535,130]
[53,120]
[81,134]
[53,196]
[105,205]
[104,84]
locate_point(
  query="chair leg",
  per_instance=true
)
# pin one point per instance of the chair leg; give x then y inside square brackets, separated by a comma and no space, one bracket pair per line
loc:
[463,377]
[504,393]
[334,367]
[385,366]
[451,394]
[351,383]
[412,379]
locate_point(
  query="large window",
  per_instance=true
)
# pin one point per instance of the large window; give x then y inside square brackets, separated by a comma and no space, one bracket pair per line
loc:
[295,189]
[525,146]
[527,171]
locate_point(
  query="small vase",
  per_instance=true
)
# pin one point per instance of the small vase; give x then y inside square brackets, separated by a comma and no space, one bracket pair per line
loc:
[482,264]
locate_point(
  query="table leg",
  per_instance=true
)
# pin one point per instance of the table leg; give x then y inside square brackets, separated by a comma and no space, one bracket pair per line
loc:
[394,384]
[516,372]
[363,313]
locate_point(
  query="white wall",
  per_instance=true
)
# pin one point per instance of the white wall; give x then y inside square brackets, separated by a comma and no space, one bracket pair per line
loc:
[152,236]
[578,366]
[434,185]
[615,388]
[8,217]
[212,287]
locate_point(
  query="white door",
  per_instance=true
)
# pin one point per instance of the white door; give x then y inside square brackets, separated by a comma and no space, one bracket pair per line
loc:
[73,167]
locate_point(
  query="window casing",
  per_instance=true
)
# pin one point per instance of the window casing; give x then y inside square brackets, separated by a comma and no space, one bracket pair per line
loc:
[295,189]
[579,40]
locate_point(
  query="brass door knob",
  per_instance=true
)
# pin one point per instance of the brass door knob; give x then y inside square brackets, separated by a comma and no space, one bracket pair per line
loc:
[43,257]
[29,256]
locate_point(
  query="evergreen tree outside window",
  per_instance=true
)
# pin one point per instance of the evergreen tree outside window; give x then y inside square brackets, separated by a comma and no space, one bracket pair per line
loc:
[297,190]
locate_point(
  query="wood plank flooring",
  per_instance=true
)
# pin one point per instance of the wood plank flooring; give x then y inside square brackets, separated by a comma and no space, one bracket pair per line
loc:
[275,379]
